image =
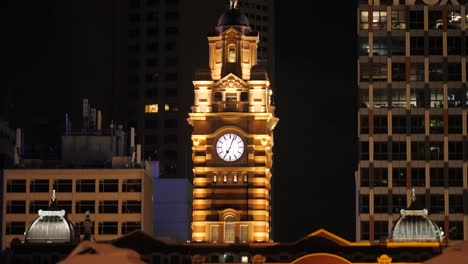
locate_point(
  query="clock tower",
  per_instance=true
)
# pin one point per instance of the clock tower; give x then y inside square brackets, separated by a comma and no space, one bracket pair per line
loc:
[232,138]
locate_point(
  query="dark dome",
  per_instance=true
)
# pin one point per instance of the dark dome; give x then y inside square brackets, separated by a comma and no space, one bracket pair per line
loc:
[233,17]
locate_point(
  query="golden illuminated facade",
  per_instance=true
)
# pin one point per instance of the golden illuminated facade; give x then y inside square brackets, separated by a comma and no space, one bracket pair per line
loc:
[233,121]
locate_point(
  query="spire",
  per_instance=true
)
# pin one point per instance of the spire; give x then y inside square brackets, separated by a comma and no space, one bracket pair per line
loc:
[53,202]
[233,4]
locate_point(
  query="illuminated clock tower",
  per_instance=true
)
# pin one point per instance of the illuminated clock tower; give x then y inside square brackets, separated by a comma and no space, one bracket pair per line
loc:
[232,138]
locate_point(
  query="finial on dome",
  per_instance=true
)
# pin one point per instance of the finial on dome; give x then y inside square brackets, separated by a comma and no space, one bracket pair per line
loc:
[233,4]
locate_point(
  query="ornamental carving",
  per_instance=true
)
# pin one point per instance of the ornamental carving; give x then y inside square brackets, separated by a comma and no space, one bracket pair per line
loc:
[231,82]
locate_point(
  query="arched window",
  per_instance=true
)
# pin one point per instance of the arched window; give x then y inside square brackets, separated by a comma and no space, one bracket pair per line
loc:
[232,53]
[229,230]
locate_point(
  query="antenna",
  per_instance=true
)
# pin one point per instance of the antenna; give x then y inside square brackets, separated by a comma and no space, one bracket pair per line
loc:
[93,118]
[138,154]
[99,119]
[132,160]
[85,113]
[121,140]
[53,195]
[132,145]
[66,124]
[112,127]
[17,150]
[132,138]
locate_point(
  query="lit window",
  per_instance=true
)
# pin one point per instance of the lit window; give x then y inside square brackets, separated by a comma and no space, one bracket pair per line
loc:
[244,234]
[364,20]
[229,230]
[153,108]
[170,108]
[234,178]
[224,178]
[232,53]
[214,233]
[246,178]
[215,178]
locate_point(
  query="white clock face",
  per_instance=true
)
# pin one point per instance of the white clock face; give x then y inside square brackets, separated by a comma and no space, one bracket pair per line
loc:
[230,147]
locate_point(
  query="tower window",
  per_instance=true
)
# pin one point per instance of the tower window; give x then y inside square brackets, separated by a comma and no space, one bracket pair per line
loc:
[244,234]
[152,108]
[229,230]
[232,53]
[214,233]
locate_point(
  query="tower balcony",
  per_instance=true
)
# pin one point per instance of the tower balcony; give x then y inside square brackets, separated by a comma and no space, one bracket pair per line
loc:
[231,106]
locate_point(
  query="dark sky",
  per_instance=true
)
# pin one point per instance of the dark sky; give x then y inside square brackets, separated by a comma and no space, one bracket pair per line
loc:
[316,102]
[315,96]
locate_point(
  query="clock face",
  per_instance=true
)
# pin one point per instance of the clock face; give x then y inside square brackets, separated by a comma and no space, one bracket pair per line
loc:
[230,147]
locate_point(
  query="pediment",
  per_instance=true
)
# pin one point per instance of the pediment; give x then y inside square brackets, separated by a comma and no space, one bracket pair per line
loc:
[231,30]
[231,81]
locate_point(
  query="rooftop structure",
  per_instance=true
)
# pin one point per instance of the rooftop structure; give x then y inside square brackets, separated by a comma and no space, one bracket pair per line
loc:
[51,226]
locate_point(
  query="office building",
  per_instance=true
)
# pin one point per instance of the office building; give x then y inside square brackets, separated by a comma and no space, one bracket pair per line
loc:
[412,116]
[7,143]
[172,211]
[100,171]
[119,200]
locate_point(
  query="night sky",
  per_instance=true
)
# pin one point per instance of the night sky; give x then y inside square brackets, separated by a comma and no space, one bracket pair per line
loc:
[315,96]
[316,102]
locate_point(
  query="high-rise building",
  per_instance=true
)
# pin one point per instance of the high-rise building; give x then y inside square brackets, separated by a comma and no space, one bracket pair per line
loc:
[154,62]
[261,15]
[412,120]
[232,138]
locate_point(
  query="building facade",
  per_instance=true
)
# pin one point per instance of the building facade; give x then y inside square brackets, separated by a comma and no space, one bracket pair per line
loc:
[119,200]
[233,122]
[320,246]
[172,201]
[412,120]
[154,65]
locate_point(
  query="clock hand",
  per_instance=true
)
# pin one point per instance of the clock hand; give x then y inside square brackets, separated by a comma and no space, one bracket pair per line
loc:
[227,151]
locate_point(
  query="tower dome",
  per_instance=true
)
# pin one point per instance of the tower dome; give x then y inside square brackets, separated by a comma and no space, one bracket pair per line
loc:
[233,17]
[415,225]
[51,226]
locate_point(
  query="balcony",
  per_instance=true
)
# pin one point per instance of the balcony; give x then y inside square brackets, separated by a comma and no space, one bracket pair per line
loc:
[230,106]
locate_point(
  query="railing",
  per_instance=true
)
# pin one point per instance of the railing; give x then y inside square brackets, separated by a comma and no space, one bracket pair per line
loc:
[230,106]
[233,106]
